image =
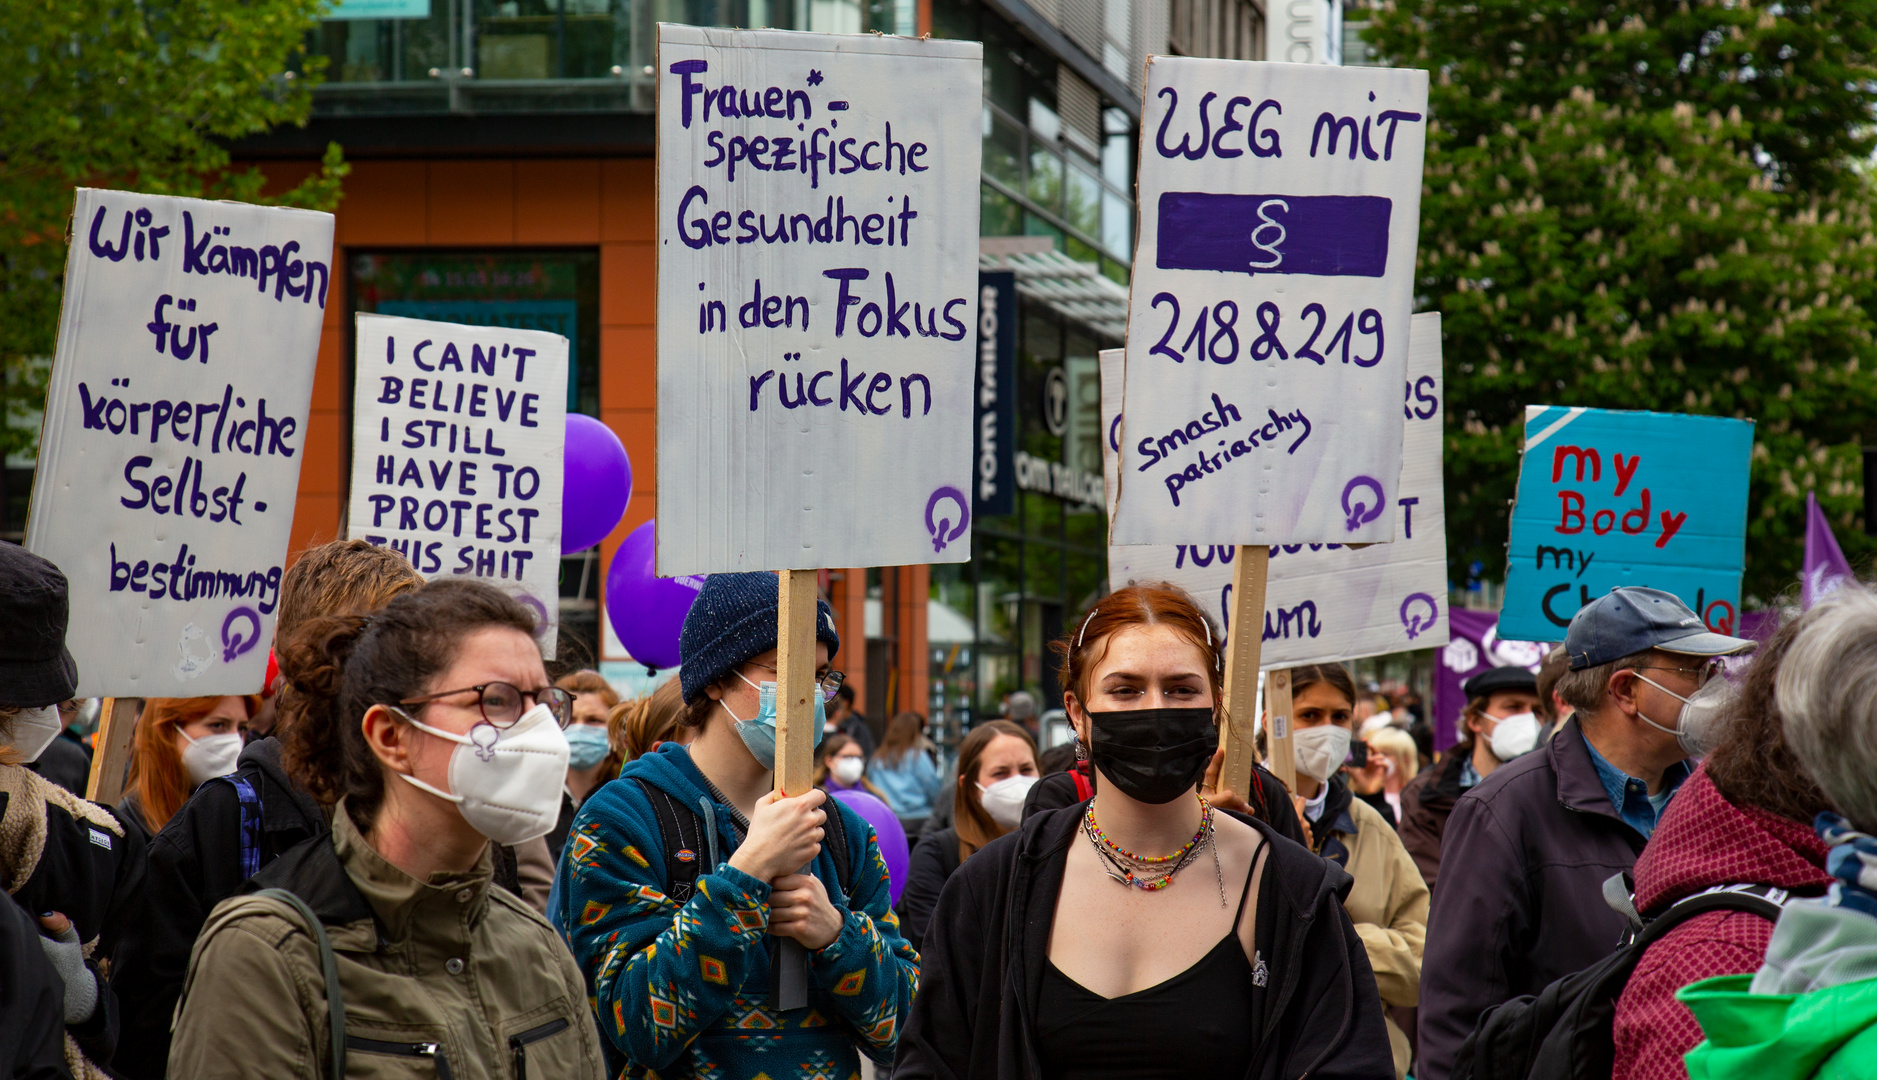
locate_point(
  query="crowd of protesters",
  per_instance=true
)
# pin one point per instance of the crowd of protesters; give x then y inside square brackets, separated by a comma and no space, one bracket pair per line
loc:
[415,854]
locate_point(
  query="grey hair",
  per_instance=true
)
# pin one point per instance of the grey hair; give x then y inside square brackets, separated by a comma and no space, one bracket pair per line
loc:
[1827,692]
[1022,706]
[1584,690]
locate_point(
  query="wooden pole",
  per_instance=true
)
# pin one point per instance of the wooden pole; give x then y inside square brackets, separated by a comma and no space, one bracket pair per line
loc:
[110,752]
[795,750]
[1250,571]
[795,683]
[1277,703]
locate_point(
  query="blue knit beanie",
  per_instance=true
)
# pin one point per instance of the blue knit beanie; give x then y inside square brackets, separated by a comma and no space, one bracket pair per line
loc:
[733,619]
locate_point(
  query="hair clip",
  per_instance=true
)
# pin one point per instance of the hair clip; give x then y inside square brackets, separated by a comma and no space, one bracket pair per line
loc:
[1080,634]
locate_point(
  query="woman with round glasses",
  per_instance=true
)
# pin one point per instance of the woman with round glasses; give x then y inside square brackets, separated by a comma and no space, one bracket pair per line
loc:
[680,881]
[430,729]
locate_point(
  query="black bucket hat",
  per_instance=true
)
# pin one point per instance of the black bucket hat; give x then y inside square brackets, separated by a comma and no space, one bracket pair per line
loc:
[36,669]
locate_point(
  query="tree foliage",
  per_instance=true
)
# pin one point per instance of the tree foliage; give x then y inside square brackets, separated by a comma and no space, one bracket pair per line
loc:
[141,94]
[1657,206]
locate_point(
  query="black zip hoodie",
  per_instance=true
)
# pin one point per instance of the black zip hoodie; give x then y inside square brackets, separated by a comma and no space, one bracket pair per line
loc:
[985,952]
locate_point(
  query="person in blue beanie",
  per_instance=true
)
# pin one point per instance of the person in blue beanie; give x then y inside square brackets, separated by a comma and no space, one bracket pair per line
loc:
[677,883]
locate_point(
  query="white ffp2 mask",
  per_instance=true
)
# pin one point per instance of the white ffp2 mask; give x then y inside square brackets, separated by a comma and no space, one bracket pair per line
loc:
[1319,751]
[506,782]
[33,730]
[211,756]
[1004,799]
[1515,736]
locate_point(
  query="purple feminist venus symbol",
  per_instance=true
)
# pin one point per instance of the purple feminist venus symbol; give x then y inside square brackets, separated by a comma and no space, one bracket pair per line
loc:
[1416,622]
[540,610]
[1361,513]
[944,531]
[233,644]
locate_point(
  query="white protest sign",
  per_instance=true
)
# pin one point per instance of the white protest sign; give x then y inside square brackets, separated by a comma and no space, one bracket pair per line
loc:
[1268,319]
[1325,602]
[817,297]
[174,425]
[457,434]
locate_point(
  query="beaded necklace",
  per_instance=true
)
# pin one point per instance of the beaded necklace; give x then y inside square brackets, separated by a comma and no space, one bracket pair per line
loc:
[1153,872]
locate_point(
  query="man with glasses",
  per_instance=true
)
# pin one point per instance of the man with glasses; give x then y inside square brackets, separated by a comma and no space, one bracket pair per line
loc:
[1527,851]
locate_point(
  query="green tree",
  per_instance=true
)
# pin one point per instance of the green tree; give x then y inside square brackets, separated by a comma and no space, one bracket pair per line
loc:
[142,95]
[1665,214]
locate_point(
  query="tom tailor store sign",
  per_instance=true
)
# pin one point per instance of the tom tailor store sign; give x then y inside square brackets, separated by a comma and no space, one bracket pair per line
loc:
[1055,478]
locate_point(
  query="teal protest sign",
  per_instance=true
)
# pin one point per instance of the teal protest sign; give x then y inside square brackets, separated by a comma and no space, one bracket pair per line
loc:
[1608,498]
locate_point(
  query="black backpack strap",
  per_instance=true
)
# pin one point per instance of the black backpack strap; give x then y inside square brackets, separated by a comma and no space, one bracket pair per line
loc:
[1762,900]
[835,840]
[682,831]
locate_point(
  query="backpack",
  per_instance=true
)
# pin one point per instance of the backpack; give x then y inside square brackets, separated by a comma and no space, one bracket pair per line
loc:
[1565,1031]
[682,831]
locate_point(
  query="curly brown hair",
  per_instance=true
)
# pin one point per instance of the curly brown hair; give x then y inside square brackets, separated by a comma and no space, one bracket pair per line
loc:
[339,666]
[1753,765]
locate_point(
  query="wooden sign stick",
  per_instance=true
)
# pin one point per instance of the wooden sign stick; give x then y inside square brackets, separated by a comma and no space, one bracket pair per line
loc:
[1250,572]
[110,752]
[795,750]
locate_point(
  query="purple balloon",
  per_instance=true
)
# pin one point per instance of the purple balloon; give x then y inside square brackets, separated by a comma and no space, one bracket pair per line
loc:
[596,485]
[888,831]
[647,611]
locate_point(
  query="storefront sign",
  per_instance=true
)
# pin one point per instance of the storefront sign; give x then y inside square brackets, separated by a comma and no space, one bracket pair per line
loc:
[818,296]
[1268,318]
[1325,602]
[1608,498]
[174,425]
[457,437]
[996,491]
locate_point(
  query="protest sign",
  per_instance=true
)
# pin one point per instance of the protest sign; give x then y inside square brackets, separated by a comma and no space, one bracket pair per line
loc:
[174,424]
[1609,498]
[817,297]
[456,453]
[1325,602]
[1268,317]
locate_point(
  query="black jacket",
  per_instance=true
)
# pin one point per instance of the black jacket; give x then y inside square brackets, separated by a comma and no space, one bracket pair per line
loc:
[32,1002]
[93,877]
[1520,903]
[1058,789]
[195,863]
[988,944]
[1426,804]
[65,762]
[932,864]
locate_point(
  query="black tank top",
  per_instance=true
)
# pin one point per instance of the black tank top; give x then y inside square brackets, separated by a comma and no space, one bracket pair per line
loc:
[1197,1023]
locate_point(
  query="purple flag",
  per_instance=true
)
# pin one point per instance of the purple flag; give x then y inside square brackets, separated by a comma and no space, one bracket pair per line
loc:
[1473,646]
[1825,568]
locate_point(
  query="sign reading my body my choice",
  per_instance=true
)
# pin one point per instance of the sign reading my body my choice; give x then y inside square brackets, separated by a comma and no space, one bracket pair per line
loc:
[1609,498]
[1268,321]
[1325,602]
[457,437]
[174,424]
[817,299]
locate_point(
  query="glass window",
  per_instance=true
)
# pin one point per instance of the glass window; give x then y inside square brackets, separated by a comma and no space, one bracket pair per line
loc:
[1117,224]
[1081,206]
[1036,225]
[998,214]
[1045,187]
[1117,150]
[1003,149]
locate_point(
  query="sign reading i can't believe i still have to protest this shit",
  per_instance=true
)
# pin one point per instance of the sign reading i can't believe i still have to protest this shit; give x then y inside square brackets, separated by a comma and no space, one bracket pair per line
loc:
[817,299]
[457,439]
[174,428]
[1610,497]
[1325,602]
[1268,316]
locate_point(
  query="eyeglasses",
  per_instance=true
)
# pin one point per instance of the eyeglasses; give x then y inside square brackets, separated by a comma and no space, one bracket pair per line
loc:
[1707,670]
[830,683]
[501,703]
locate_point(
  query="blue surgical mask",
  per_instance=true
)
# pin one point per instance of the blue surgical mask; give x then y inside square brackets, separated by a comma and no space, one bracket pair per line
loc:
[588,746]
[759,734]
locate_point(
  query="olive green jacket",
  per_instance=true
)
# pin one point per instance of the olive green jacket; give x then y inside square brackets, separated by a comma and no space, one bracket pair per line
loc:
[449,978]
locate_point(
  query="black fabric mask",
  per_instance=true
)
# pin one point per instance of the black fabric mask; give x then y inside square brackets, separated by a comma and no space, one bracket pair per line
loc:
[1153,755]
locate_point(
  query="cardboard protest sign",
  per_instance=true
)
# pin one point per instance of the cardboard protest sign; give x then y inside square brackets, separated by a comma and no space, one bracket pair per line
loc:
[817,299]
[1609,497]
[1268,321]
[1325,602]
[174,424]
[456,453]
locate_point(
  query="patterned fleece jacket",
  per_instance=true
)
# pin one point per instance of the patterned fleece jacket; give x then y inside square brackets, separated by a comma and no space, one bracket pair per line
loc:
[1703,841]
[681,990]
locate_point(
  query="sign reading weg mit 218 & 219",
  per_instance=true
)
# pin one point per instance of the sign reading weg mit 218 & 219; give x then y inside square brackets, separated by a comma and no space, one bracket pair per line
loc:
[1268,319]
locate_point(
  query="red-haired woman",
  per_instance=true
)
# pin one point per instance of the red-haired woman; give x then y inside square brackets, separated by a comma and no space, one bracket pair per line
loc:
[1144,933]
[180,744]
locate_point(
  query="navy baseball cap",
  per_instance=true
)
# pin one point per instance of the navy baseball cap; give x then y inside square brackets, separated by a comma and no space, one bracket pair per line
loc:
[1499,680]
[1633,619]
